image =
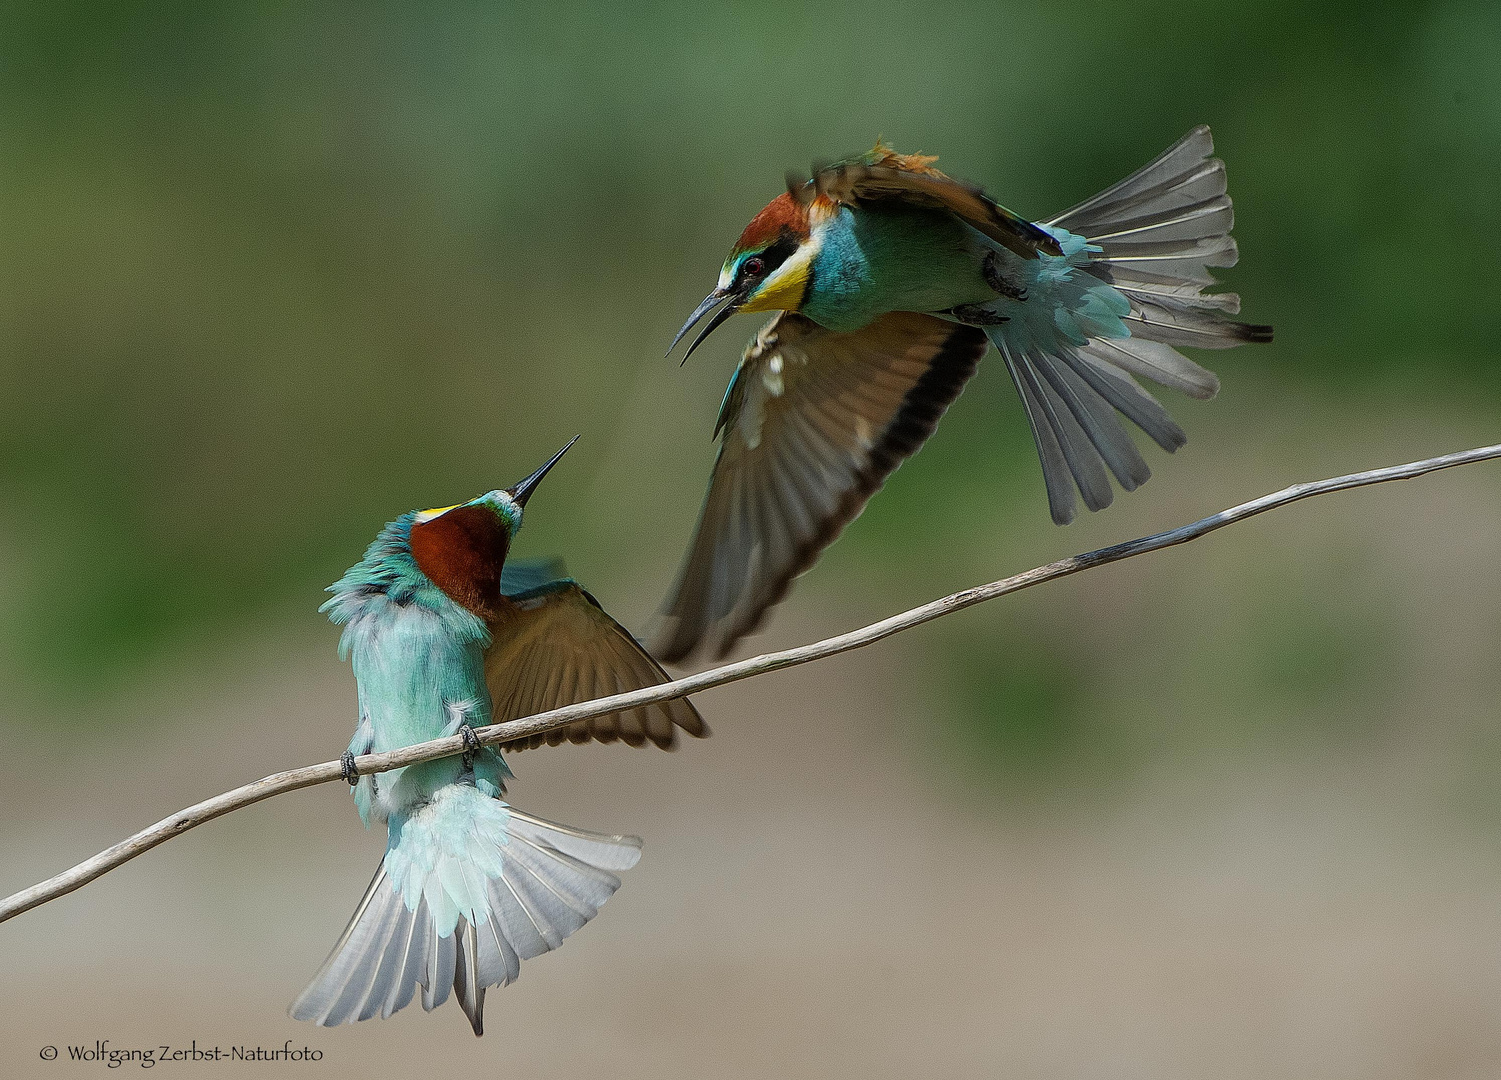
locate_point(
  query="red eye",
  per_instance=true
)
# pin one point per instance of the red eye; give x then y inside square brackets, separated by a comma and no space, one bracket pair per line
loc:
[752,267]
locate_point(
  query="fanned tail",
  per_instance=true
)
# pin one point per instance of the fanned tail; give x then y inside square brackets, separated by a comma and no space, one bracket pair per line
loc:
[1161,230]
[469,888]
[1141,253]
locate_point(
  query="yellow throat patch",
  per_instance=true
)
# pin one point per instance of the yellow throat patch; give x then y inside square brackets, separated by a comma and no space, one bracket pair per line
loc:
[783,290]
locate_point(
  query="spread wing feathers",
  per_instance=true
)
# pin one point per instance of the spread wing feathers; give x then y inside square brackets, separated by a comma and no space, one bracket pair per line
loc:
[555,646]
[1159,231]
[552,880]
[523,575]
[885,174]
[813,423]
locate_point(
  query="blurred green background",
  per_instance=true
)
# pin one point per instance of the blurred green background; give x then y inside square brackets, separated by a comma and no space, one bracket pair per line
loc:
[275,273]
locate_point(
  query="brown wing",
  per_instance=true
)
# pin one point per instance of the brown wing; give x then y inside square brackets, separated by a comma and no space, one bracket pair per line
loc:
[555,646]
[813,423]
[885,174]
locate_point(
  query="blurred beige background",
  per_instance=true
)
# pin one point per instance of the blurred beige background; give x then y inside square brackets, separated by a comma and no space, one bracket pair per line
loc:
[273,276]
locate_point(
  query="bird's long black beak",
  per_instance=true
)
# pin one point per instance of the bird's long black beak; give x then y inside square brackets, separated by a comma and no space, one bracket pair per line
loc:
[699,312]
[523,491]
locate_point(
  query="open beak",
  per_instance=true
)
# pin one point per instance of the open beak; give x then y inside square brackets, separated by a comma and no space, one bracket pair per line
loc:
[523,491]
[699,312]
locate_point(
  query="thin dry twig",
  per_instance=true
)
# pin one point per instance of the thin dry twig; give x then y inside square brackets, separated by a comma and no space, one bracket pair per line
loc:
[328,771]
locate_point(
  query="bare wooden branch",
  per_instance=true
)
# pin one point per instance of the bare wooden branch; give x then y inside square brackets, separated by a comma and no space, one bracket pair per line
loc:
[277,783]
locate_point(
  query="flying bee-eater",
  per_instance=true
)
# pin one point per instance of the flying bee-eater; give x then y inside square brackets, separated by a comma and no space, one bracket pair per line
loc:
[445,636]
[891,281]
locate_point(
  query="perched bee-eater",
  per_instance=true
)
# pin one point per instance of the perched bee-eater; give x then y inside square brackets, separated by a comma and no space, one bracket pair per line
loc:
[891,281]
[445,636]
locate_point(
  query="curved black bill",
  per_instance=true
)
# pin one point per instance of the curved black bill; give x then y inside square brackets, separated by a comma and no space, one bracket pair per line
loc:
[698,313]
[523,491]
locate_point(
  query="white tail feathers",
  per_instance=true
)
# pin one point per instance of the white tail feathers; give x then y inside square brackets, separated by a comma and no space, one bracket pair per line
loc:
[551,880]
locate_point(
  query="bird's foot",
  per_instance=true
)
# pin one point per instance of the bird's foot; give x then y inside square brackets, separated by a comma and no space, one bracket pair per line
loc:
[346,765]
[472,745]
[991,270]
[977,315]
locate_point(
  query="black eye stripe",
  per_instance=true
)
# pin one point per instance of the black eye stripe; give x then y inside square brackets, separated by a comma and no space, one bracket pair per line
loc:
[779,252]
[771,258]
